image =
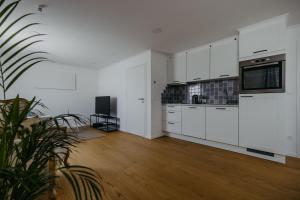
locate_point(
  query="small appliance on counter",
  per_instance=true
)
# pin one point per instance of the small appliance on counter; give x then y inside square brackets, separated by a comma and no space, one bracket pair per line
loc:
[195,99]
[199,99]
[203,99]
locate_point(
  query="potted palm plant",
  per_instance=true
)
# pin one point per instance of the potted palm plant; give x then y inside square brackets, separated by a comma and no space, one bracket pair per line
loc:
[33,158]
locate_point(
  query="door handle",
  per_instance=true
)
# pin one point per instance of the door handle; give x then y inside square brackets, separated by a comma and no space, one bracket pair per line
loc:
[196,79]
[224,75]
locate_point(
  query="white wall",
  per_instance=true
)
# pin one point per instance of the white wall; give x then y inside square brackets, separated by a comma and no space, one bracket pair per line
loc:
[294,64]
[291,121]
[79,101]
[158,84]
[112,82]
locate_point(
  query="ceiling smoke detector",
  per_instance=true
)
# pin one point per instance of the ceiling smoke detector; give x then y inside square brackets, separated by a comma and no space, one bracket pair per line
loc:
[41,7]
[157,30]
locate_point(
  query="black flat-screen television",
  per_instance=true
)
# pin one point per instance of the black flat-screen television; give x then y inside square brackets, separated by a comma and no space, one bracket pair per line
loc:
[105,105]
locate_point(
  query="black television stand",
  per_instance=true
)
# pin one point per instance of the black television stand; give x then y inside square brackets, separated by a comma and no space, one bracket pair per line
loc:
[105,123]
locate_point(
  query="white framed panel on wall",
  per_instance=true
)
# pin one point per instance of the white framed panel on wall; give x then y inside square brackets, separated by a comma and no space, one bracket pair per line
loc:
[57,80]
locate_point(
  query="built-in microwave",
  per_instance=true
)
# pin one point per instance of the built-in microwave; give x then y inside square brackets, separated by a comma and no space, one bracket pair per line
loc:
[263,75]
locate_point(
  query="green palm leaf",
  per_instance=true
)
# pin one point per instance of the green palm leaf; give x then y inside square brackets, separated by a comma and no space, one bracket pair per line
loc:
[15,54]
[14,22]
[24,171]
[19,31]
[7,11]
[17,43]
[20,59]
[22,65]
[15,78]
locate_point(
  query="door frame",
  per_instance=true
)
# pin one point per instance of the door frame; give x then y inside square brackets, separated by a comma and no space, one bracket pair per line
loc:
[145,65]
[298,97]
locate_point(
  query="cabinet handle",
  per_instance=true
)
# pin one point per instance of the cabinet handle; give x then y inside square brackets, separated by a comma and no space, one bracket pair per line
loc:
[224,75]
[221,108]
[171,123]
[176,81]
[260,51]
[171,112]
[193,107]
[246,96]
[195,79]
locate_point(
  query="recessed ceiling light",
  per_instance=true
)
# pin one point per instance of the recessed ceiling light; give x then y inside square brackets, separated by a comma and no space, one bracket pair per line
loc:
[157,30]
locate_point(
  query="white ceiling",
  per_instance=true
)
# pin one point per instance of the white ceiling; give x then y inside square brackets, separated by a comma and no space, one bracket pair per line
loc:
[97,33]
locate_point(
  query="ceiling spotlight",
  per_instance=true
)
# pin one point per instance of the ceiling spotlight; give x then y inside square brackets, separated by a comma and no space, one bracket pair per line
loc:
[157,30]
[41,7]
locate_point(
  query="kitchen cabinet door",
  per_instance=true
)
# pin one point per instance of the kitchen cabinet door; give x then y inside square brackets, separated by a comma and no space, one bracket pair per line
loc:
[261,122]
[262,38]
[177,69]
[224,58]
[222,124]
[198,64]
[193,121]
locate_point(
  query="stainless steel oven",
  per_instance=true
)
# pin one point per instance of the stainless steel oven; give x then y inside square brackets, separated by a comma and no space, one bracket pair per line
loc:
[263,75]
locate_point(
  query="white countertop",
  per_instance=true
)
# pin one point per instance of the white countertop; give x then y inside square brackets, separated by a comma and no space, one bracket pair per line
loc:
[204,105]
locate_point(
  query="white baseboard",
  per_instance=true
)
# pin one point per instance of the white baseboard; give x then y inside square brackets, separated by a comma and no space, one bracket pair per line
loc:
[242,150]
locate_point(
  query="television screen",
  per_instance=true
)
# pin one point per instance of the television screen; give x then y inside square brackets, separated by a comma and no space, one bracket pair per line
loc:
[102,105]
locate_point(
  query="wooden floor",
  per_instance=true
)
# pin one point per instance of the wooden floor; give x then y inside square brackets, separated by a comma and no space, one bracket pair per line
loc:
[135,168]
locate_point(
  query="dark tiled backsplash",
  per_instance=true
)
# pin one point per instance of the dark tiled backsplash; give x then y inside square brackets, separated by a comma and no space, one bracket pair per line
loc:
[217,92]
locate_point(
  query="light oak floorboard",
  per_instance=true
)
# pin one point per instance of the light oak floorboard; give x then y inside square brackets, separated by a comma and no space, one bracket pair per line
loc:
[134,168]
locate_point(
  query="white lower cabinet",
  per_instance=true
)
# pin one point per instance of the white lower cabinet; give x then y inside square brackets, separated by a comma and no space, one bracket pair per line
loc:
[262,122]
[172,127]
[222,124]
[172,115]
[172,119]
[193,121]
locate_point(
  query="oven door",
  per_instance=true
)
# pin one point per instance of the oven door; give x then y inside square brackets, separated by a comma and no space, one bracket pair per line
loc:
[264,78]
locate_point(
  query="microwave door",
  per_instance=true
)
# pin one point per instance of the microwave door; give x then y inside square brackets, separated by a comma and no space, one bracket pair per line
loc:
[264,77]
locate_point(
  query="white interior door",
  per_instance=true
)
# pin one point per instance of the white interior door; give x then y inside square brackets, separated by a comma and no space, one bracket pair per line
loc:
[136,102]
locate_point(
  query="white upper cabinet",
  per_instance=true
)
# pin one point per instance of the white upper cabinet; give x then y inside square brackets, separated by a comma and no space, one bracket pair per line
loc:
[198,64]
[222,124]
[265,38]
[177,68]
[224,58]
[261,122]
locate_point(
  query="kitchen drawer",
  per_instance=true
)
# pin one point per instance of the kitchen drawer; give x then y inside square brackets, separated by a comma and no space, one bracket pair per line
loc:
[172,127]
[172,115]
[173,107]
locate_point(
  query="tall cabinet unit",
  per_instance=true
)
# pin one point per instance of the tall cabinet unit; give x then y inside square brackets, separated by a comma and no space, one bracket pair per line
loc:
[265,38]
[224,58]
[198,64]
[177,68]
